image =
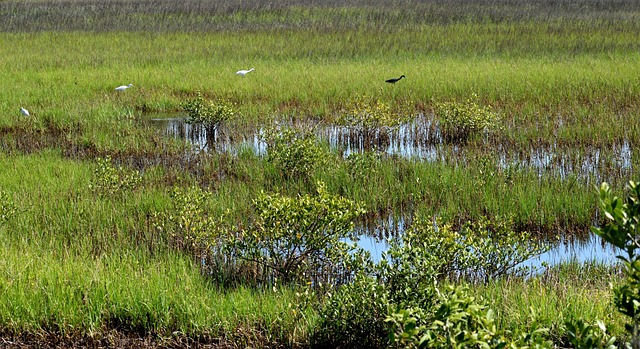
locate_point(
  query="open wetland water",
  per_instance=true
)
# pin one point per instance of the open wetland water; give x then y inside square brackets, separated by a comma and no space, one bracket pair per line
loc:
[421,140]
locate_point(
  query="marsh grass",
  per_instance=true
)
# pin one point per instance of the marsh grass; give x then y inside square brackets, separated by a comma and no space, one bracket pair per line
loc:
[567,291]
[84,264]
[561,75]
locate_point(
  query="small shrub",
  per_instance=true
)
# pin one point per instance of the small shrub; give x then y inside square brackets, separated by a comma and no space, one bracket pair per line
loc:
[363,165]
[492,249]
[299,238]
[111,181]
[192,228]
[459,321]
[419,314]
[405,283]
[353,316]
[413,264]
[207,113]
[478,251]
[295,154]
[460,121]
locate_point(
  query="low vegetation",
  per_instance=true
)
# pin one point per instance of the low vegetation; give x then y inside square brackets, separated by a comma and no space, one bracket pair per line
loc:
[484,156]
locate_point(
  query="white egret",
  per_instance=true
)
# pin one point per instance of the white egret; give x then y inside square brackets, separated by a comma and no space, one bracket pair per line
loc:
[244,72]
[24,111]
[123,87]
[393,81]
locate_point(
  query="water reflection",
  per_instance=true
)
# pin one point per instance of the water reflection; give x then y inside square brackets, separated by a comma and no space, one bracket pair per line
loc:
[594,249]
[591,250]
[421,140]
[222,139]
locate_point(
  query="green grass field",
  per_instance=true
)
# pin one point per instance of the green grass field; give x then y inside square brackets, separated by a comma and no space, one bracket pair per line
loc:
[562,76]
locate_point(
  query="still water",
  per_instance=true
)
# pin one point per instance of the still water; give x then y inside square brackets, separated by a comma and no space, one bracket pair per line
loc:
[421,140]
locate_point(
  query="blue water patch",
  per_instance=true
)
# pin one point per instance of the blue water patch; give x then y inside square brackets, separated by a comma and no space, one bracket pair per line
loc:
[594,249]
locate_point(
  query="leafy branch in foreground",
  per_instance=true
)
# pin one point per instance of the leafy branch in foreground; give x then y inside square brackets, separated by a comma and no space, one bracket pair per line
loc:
[622,230]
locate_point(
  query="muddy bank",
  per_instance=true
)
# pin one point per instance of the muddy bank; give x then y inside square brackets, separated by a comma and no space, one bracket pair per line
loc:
[118,339]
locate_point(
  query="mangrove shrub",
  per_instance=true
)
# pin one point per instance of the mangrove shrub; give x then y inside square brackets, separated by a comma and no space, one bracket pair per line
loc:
[460,121]
[295,154]
[372,118]
[299,238]
[207,113]
[622,229]
[113,181]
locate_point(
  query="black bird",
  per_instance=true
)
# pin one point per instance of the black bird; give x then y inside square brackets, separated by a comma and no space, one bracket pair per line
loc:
[393,81]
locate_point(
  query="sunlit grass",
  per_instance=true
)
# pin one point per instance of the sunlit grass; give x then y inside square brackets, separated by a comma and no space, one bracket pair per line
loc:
[568,291]
[561,77]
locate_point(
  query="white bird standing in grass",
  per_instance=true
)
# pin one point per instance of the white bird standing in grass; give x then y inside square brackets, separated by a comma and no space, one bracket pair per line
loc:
[24,111]
[244,72]
[123,87]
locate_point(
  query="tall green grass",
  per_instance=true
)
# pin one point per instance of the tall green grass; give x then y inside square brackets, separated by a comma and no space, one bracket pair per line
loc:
[564,292]
[568,98]
[78,265]
[561,75]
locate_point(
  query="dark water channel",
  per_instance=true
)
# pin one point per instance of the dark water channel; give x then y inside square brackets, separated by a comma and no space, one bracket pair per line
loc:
[421,140]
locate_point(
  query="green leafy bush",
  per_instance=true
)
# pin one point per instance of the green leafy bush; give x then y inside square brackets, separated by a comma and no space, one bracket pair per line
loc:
[207,113]
[491,249]
[459,321]
[111,181]
[412,265]
[363,165]
[191,227]
[478,251]
[353,316]
[622,229]
[294,153]
[460,121]
[299,238]
[583,335]
[405,283]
